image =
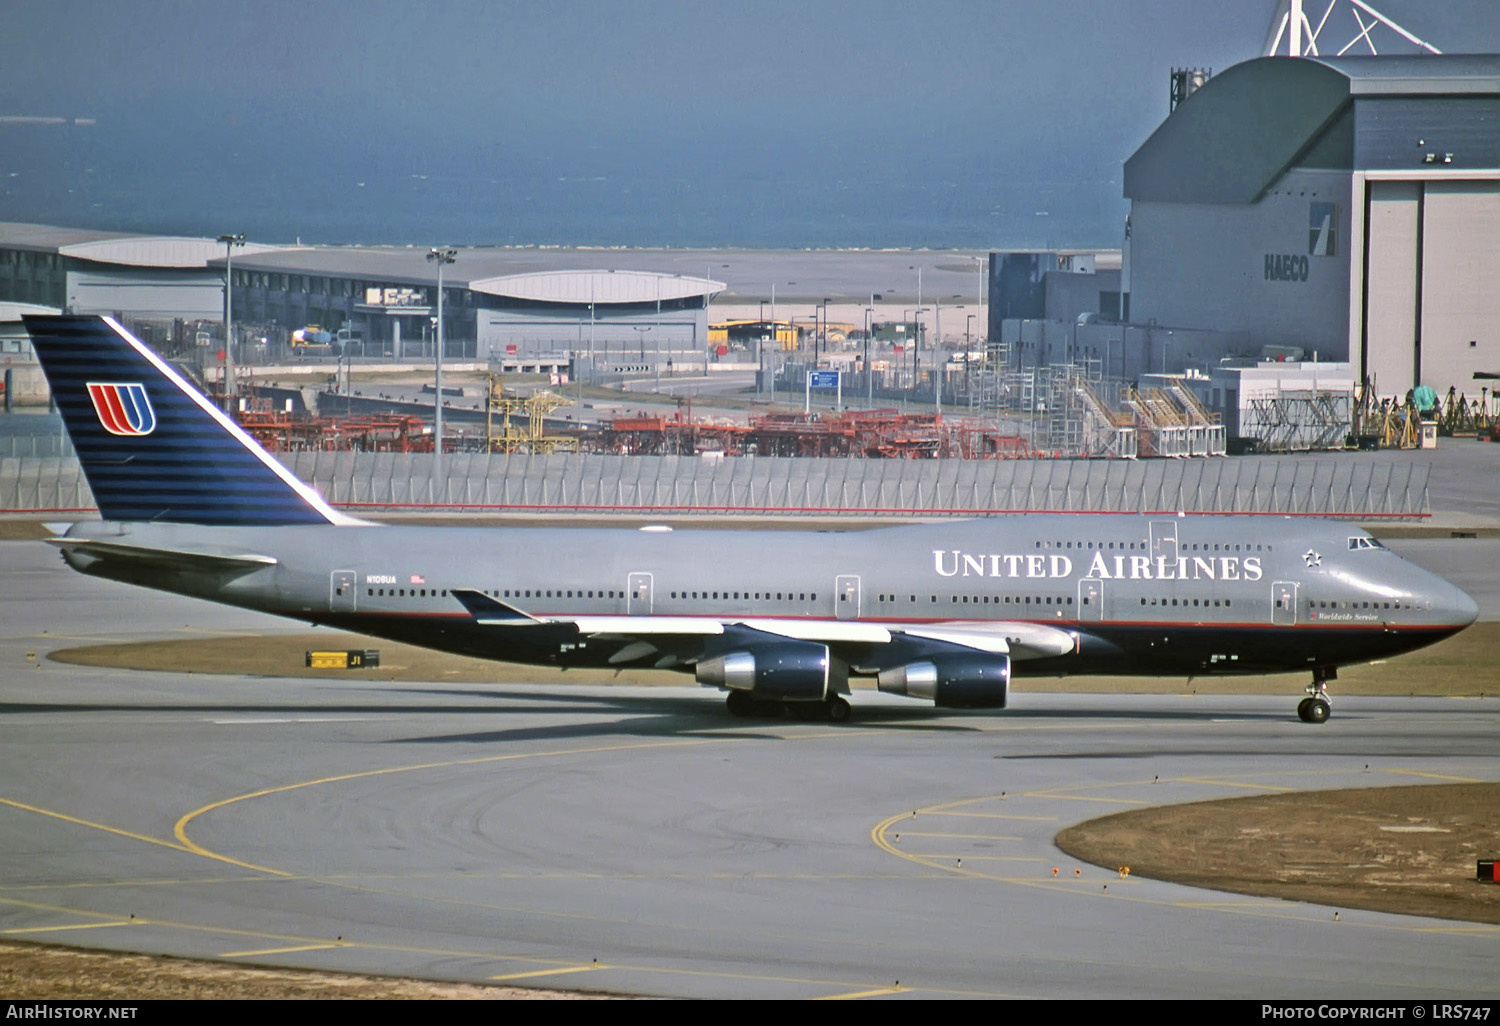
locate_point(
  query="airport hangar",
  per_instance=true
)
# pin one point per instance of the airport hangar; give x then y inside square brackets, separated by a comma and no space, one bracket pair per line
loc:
[1348,207]
[521,306]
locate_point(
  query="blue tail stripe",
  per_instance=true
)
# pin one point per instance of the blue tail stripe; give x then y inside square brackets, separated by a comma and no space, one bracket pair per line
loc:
[141,416]
[186,462]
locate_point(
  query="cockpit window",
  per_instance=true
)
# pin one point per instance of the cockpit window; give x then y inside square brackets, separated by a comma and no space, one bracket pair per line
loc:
[1364,543]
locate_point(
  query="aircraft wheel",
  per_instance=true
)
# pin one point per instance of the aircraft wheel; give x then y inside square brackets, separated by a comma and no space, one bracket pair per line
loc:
[740,704]
[838,709]
[1317,711]
[1302,709]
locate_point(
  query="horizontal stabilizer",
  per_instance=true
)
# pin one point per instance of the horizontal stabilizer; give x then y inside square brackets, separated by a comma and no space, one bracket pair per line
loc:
[171,560]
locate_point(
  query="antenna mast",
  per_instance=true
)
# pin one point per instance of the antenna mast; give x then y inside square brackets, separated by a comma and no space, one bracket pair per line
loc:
[1293,35]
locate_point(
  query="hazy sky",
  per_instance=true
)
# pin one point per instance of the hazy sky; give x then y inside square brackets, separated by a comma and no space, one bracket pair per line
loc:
[304,100]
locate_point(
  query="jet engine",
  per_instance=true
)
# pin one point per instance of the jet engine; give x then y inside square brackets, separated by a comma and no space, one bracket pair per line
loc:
[788,671]
[953,680]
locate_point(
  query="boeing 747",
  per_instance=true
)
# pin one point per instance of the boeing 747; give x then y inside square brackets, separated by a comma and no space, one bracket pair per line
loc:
[946,612]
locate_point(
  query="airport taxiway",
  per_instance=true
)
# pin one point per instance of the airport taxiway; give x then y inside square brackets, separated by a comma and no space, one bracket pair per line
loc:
[639,841]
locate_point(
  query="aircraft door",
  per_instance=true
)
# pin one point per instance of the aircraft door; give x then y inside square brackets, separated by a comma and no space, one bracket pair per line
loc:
[341,591]
[1164,539]
[1284,603]
[638,594]
[1091,600]
[846,596]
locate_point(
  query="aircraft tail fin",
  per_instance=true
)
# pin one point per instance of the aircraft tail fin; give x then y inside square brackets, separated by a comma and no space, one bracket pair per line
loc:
[151,445]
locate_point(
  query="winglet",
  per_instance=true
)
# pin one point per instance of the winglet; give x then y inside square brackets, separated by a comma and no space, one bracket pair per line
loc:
[487,610]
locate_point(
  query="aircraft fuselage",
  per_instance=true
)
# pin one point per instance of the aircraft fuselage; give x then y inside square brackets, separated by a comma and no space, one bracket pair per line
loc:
[1141,595]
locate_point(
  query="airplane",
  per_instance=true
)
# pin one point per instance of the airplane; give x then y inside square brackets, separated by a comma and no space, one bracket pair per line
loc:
[780,620]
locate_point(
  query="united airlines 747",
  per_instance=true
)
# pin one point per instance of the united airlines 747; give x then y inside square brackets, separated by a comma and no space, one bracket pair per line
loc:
[946,612]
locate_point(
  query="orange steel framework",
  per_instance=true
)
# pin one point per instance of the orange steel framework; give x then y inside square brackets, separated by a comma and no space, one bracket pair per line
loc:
[887,434]
[285,432]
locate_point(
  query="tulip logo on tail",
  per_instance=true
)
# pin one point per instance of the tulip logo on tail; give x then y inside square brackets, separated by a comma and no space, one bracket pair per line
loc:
[123,409]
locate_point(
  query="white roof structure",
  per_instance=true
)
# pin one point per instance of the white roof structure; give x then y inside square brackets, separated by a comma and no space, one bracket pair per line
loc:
[155,251]
[120,248]
[13,311]
[584,287]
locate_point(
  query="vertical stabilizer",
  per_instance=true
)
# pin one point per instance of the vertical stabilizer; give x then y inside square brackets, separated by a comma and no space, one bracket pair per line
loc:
[153,448]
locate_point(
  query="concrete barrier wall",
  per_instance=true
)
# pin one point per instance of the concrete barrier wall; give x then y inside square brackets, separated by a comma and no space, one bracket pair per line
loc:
[1361,486]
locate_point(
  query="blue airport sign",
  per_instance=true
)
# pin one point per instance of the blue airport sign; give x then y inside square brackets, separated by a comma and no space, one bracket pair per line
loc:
[825,379]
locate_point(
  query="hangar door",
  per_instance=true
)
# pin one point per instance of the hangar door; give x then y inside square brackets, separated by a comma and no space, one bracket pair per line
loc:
[1390,334]
[1460,269]
[1432,309]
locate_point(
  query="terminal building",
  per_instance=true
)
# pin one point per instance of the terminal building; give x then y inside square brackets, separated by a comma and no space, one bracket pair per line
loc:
[496,302]
[520,306]
[1344,207]
[139,276]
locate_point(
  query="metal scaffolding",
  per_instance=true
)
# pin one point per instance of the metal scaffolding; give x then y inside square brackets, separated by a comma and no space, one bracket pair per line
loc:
[1297,421]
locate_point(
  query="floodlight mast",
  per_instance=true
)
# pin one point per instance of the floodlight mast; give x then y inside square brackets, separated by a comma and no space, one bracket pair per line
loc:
[439,257]
[229,241]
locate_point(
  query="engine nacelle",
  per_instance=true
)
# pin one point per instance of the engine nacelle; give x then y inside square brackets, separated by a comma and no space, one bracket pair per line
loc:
[790,671]
[953,681]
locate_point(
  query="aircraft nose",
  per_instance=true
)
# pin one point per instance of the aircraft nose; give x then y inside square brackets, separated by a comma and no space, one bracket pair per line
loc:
[1452,605]
[1462,607]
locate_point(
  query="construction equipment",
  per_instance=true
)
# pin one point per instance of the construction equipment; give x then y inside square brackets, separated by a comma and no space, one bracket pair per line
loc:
[509,438]
[1400,424]
[1462,416]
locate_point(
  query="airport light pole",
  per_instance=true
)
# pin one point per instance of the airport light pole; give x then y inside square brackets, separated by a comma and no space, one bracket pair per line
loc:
[917,345]
[911,341]
[869,379]
[822,336]
[982,265]
[916,348]
[440,257]
[826,301]
[968,356]
[230,241]
[937,358]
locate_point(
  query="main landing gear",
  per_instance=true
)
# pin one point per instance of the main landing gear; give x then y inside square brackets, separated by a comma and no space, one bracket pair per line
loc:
[743,704]
[1317,706]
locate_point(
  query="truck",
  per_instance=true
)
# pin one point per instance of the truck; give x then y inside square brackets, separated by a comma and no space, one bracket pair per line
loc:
[314,341]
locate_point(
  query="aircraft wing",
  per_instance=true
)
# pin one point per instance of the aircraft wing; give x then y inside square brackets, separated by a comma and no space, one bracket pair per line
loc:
[645,635]
[83,552]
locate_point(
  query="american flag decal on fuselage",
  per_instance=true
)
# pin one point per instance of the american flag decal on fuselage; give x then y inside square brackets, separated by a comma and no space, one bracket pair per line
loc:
[123,409]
